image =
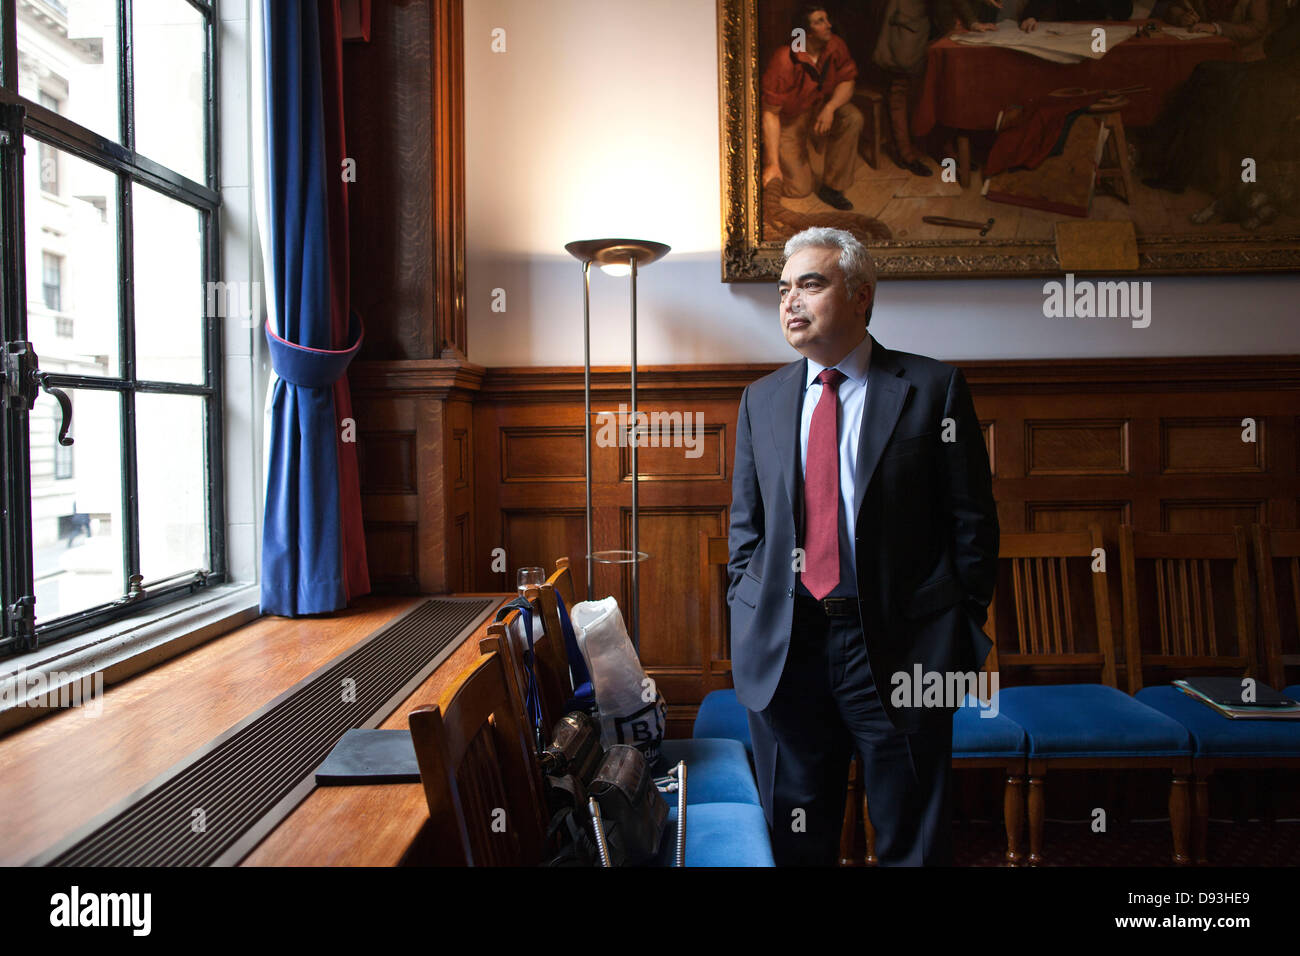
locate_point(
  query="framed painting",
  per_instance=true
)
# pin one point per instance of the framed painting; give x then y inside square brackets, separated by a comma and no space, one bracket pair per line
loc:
[957,137]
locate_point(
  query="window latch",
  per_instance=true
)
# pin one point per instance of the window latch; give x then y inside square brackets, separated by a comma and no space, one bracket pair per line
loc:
[22,618]
[24,380]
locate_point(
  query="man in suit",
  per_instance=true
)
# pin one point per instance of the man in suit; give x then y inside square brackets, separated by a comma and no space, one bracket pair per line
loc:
[863,546]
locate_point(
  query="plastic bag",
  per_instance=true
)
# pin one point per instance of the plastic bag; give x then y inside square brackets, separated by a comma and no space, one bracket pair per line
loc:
[630,707]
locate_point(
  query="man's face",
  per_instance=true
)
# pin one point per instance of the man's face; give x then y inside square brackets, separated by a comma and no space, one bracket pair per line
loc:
[816,310]
[819,26]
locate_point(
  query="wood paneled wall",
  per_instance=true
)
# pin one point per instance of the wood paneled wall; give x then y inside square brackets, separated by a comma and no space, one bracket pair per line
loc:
[1155,443]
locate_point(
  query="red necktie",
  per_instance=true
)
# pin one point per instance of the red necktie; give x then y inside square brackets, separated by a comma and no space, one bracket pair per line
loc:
[821,491]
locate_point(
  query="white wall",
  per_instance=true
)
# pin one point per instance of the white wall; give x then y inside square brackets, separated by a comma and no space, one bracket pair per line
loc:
[601,119]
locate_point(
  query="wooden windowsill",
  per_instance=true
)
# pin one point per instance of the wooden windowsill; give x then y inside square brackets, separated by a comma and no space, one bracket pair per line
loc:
[73,765]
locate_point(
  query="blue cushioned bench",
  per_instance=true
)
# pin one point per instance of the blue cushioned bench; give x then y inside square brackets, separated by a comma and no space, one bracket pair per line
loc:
[725,825]
[719,834]
[1214,735]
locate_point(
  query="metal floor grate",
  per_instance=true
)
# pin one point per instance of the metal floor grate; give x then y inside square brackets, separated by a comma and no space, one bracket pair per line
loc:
[217,804]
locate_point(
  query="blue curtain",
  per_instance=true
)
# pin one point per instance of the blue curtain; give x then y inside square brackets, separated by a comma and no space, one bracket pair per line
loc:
[303,559]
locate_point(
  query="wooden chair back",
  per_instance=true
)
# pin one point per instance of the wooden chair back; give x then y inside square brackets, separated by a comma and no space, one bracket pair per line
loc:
[562,581]
[1277,568]
[1053,606]
[1188,604]
[480,778]
[714,627]
[551,665]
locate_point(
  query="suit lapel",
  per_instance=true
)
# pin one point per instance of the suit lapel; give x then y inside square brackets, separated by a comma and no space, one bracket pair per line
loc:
[787,402]
[886,392]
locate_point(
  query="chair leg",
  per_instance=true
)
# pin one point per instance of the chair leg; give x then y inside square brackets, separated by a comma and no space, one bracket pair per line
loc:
[1013,815]
[849,855]
[1201,818]
[871,833]
[1179,818]
[1036,809]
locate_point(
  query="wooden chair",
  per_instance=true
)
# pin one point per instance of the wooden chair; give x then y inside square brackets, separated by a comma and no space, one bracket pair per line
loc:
[1277,566]
[1080,726]
[562,581]
[560,586]
[714,554]
[551,663]
[479,775]
[978,742]
[1190,600]
[1189,606]
[720,714]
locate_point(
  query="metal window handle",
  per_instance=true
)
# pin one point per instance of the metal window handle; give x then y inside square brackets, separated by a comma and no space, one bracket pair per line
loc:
[65,406]
[23,380]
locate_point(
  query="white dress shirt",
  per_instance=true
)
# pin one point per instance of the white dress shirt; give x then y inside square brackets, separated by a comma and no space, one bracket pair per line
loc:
[852,392]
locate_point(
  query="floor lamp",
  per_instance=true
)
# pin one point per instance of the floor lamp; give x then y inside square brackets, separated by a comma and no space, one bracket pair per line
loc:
[616,257]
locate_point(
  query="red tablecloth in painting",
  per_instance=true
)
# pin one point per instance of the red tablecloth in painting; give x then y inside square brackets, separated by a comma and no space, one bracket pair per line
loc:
[966,86]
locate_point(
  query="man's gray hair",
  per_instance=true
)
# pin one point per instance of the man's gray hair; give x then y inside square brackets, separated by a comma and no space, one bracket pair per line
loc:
[855,261]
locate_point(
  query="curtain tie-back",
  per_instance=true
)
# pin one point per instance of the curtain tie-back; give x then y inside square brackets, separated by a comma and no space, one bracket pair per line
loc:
[313,368]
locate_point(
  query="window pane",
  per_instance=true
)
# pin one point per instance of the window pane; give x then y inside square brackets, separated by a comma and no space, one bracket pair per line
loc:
[173,485]
[71,230]
[77,519]
[169,296]
[68,60]
[170,41]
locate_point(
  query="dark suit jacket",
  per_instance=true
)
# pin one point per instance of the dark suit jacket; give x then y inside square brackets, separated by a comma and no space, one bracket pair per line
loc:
[926,534]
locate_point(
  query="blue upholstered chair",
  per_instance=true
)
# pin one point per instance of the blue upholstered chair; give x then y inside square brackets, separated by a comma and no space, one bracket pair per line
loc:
[994,741]
[1052,606]
[722,715]
[1189,608]
[1277,569]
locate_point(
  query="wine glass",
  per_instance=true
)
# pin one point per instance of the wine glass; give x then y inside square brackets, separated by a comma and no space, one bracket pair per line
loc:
[531,578]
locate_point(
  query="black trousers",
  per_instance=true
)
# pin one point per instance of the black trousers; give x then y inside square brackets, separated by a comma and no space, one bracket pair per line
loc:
[826,706]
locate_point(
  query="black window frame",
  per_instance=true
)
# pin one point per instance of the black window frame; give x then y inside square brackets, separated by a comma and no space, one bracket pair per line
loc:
[22,117]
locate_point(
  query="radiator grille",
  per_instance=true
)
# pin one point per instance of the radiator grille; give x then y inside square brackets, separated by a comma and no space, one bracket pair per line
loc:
[248,779]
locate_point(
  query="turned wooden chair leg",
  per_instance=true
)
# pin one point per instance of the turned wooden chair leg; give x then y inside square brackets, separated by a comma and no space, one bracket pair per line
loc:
[1180,818]
[849,847]
[1013,815]
[1201,819]
[870,830]
[1035,820]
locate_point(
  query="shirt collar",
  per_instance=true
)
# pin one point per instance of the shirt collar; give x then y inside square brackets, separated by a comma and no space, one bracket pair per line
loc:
[854,365]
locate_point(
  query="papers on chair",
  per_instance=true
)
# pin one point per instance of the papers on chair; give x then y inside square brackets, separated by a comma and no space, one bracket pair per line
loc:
[1208,692]
[1182,34]
[1057,42]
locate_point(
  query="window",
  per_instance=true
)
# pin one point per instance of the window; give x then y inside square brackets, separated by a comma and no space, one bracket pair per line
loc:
[108,191]
[52,281]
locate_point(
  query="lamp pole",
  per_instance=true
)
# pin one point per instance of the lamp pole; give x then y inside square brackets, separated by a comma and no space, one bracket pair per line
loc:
[630,254]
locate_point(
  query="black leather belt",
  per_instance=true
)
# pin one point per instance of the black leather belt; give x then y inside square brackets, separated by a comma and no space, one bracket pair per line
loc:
[831,606]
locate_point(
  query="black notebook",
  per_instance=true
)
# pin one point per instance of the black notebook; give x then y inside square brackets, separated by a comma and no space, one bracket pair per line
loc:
[1228,692]
[370,756]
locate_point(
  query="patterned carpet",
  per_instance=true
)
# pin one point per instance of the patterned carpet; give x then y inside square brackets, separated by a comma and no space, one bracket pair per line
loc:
[1146,843]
